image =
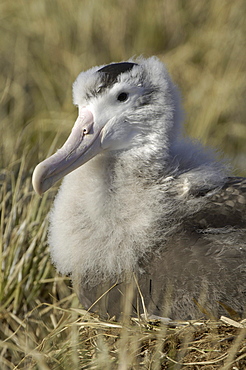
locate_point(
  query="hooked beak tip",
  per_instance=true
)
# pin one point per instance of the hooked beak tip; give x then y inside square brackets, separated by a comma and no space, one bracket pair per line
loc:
[36,180]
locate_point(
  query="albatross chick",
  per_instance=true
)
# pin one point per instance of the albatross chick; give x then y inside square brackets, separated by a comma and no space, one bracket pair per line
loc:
[142,203]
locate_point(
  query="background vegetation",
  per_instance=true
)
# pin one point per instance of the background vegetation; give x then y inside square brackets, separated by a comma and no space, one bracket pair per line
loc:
[44,45]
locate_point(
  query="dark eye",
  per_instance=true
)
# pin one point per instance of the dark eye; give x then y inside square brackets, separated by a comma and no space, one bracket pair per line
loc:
[122,97]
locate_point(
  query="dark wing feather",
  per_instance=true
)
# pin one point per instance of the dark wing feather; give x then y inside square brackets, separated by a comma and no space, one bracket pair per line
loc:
[224,207]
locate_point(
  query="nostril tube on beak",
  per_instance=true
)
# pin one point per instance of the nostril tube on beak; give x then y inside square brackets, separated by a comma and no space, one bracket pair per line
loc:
[85,119]
[87,128]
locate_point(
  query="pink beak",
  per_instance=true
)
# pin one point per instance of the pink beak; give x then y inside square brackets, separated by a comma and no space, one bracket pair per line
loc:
[82,144]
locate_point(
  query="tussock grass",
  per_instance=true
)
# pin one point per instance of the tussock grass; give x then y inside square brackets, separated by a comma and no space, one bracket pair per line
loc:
[44,45]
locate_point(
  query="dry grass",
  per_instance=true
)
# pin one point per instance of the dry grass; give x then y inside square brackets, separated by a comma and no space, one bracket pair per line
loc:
[44,45]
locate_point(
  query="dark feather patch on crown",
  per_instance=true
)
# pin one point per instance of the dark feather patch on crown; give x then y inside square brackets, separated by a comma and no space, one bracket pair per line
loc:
[110,72]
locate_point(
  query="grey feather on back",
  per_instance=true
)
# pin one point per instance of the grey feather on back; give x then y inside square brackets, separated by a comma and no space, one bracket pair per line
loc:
[225,207]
